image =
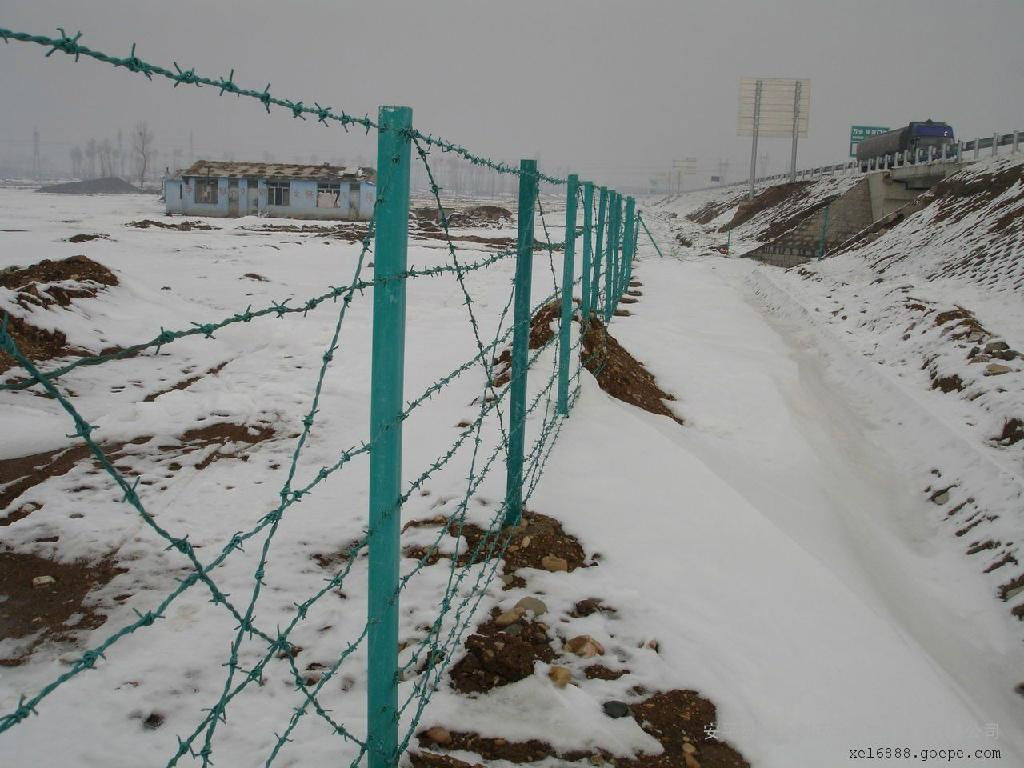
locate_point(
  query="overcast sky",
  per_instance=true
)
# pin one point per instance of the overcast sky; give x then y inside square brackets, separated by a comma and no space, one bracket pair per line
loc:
[612,90]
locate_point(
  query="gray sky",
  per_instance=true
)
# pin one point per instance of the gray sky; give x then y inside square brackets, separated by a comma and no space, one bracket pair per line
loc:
[612,90]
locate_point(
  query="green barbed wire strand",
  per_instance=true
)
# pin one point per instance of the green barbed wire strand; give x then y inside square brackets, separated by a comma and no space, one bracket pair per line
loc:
[442,218]
[277,309]
[475,480]
[70,46]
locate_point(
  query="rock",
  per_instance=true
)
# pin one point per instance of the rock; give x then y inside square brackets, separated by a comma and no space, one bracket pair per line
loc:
[585,647]
[43,581]
[554,564]
[940,498]
[996,369]
[996,346]
[508,617]
[691,761]
[532,604]
[689,749]
[438,735]
[514,630]
[616,709]
[560,676]
[508,578]
[525,542]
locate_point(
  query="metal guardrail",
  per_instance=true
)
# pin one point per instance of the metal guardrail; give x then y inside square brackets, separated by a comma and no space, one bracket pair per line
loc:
[964,151]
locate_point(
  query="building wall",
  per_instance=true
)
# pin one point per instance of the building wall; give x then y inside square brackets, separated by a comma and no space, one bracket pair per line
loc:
[172,195]
[302,201]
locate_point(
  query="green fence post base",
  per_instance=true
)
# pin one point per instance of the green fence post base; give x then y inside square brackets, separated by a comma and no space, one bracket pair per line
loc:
[520,344]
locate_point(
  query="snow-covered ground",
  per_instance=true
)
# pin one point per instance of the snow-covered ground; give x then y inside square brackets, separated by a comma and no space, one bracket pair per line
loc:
[779,546]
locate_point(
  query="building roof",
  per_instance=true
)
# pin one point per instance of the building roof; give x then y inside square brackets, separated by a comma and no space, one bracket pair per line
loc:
[233,170]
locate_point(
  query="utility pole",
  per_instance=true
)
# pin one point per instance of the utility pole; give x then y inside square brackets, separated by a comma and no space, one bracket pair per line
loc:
[796,129]
[753,145]
[36,171]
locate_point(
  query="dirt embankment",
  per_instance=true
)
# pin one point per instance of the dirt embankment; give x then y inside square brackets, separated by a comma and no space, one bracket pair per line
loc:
[110,185]
[789,193]
[621,375]
[46,284]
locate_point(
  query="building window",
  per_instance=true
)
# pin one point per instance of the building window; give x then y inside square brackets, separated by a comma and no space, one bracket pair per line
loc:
[279,192]
[206,191]
[327,194]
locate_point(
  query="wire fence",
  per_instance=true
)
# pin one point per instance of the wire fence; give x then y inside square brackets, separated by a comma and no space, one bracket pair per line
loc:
[496,440]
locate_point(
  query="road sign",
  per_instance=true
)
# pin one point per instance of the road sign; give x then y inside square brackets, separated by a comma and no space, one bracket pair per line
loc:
[773,106]
[860,132]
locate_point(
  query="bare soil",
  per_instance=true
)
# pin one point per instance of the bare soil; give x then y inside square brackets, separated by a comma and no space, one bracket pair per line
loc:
[536,537]
[45,284]
[620,374]
[54,612]
[681,720]
[110,185]
[542,330]
[183,226]
[769,198]
[497,656]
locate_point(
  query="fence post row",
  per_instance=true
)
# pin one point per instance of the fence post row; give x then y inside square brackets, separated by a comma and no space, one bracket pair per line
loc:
[595,285]
[588,220]
[386,403]
[572,186]
[636,240]
[520,343]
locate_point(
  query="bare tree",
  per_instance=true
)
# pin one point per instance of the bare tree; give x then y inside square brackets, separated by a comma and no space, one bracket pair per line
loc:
[76,161]
[142,146]
[90,156]
[105,152]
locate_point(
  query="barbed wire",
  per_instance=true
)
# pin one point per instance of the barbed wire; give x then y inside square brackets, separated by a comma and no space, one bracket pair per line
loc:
[464,578]
[68,44]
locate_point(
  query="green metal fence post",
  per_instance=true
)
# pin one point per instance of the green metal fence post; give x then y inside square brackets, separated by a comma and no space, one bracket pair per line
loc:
[635,242]
[520,344]
[572,186]
[386,403]
[627,246]
[588,221]
[595,284]
[610,298]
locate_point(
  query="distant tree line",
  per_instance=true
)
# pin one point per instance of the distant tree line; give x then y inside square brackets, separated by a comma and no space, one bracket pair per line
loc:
[107,157]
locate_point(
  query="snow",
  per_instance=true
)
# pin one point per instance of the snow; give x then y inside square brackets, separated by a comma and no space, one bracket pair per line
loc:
[778,546]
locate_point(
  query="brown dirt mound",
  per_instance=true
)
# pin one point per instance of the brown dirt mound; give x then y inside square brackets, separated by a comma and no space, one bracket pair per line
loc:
[682,721]
[352,233]
[497,656]
[769,198]
[711,211]
[620,374]
[78,268]
[1013,432]
[184,226]
[473,216]
[85,238]
[542,330]
[110,185]
[536,537]
[35,343]
[46,609]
